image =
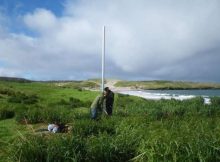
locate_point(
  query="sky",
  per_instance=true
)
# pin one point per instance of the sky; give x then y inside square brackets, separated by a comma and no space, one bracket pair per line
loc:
[145,39]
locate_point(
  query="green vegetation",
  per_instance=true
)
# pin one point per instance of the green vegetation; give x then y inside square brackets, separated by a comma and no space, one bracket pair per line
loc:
[6,112]
[78,84]
[13,79]
[140,130]
[153,85]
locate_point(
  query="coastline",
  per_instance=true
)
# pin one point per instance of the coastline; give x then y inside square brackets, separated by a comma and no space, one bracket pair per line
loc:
[159,96]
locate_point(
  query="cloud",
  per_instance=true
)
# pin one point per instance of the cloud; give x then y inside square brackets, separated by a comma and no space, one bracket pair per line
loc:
[40,20]
[145,40]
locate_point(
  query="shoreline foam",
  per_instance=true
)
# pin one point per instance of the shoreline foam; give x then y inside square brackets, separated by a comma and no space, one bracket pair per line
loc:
[159,96]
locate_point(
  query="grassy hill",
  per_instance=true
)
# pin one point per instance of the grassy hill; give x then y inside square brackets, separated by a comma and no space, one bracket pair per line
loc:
[153,85]
[14,79]
[148,85]
[140,130]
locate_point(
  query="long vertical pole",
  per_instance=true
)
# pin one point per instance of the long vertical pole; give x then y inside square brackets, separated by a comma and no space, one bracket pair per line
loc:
[103,59]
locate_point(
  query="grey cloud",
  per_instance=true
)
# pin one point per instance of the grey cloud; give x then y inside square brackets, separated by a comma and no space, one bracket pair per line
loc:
[146,39]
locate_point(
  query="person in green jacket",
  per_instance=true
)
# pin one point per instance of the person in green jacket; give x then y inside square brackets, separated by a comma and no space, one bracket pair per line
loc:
[97,107]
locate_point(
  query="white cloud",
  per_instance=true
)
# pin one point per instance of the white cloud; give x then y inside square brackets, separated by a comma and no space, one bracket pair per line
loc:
[41,20]
[148,34]
[145,39]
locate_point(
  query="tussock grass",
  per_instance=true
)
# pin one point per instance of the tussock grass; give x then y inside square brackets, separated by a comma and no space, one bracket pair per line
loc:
[139,130]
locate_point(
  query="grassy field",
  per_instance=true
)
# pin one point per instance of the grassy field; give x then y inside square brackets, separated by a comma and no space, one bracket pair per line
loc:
[140,130]
[153,85]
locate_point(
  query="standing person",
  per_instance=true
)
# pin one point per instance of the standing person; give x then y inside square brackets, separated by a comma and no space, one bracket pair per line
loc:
[109,100]
[97,107]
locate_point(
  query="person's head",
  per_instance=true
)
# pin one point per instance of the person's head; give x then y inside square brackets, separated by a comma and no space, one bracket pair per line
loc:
[106,91]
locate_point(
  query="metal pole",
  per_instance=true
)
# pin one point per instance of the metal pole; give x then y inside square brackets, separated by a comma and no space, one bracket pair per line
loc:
[103,60]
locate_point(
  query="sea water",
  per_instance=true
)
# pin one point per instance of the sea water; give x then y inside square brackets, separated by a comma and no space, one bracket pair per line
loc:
[174,94]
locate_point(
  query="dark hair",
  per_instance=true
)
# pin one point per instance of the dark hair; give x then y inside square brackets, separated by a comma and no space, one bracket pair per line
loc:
[106,89]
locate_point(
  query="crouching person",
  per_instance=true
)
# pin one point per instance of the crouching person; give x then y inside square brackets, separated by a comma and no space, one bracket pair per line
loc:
[58,128]
[53,128]
[97,107]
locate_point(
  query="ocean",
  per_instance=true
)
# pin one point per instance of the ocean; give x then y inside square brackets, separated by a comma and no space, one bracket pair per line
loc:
[174,94]
[207,93]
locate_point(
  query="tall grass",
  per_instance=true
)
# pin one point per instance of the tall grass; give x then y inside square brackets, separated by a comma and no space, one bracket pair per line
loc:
[139,130]
[40,114]
[6,111]
[169,140]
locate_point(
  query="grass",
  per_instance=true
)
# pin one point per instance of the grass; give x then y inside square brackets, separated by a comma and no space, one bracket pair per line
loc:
[139,130]
[153,85]
[44,107]
[9,130]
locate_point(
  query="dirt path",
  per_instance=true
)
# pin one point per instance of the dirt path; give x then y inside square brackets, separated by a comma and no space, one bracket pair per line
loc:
[111,85]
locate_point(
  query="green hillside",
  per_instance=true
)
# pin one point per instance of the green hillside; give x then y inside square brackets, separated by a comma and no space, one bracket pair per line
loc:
[153,85]
[140,130]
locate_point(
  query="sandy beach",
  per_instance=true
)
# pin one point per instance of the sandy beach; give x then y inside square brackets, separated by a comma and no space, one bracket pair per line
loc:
[150,95]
